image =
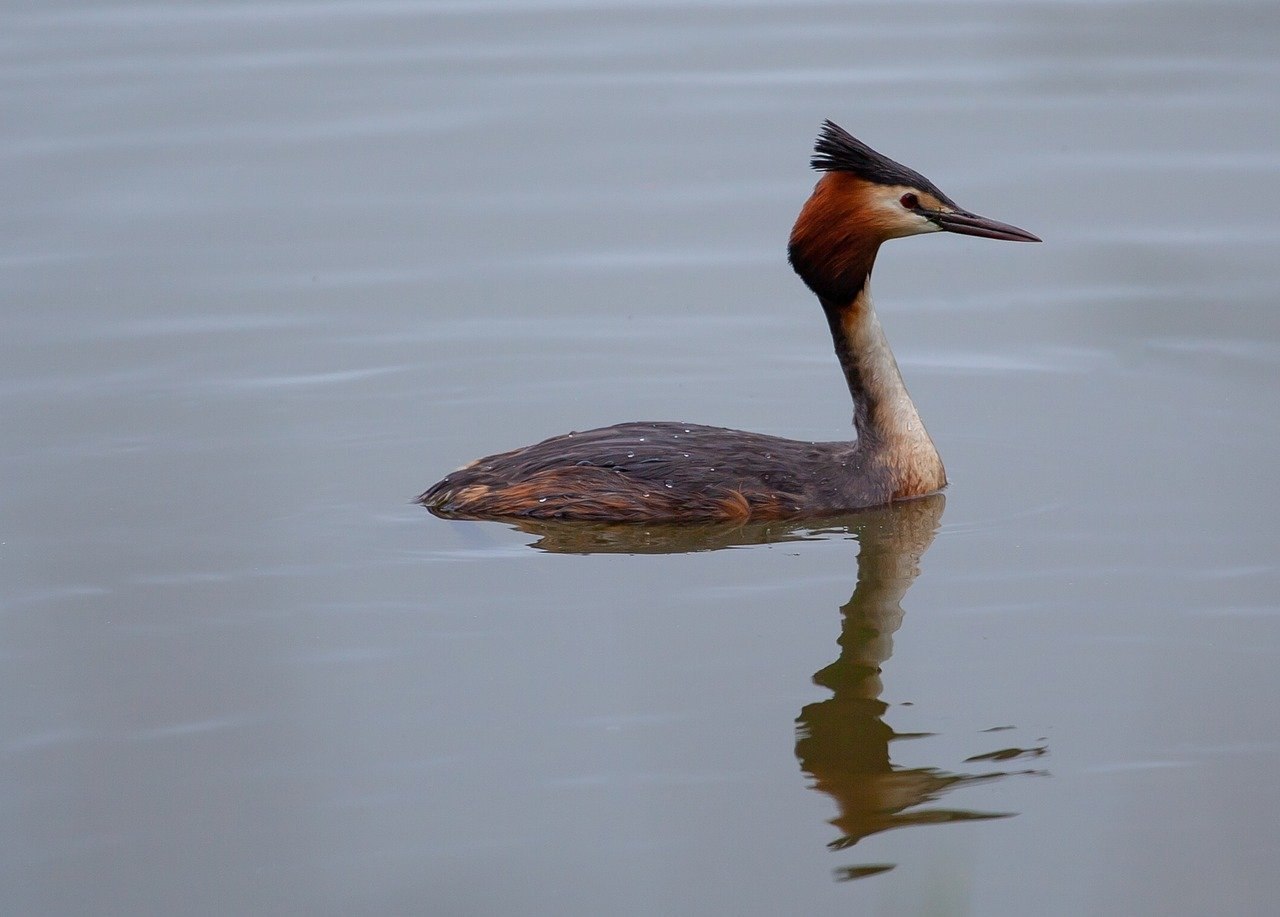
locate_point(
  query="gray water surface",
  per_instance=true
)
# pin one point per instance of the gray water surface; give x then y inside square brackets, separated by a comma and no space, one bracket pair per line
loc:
[270,269]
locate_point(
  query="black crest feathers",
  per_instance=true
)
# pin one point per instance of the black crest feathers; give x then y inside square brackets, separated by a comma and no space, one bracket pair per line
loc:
[839,151]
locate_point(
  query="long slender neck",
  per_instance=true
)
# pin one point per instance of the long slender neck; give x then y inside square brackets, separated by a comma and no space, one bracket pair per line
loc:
[834,253]
[884,415]
[882,409]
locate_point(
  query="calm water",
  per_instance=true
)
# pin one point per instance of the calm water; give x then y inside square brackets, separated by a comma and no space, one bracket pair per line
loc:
[269,269]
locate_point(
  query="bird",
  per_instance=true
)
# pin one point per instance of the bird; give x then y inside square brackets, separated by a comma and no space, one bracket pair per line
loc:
[680,472]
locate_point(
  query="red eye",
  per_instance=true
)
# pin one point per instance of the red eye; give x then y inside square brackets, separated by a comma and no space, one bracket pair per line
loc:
[910,201]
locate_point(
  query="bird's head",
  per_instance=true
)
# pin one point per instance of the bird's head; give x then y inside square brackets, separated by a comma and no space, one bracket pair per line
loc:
[864,199]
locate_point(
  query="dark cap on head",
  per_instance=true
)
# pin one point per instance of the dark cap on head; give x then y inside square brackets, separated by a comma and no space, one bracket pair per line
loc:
[839,151]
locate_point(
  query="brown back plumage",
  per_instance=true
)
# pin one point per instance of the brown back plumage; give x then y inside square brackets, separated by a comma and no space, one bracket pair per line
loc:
[653,471]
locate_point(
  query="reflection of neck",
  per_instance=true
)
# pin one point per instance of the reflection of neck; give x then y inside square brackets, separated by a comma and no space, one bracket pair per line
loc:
[888,424]
[892,542]
[843,742]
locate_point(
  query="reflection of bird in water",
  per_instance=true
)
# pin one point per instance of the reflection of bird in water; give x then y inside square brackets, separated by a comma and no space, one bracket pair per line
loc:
[560,536]
[689,472]
[843,742]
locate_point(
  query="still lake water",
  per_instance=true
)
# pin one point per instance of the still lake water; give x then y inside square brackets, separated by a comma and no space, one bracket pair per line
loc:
[269,269]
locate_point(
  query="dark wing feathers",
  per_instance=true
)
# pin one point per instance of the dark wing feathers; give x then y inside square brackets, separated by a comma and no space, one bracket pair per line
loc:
[640,470]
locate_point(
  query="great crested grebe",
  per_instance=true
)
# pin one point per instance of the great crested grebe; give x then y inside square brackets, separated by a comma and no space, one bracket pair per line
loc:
[678,471]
